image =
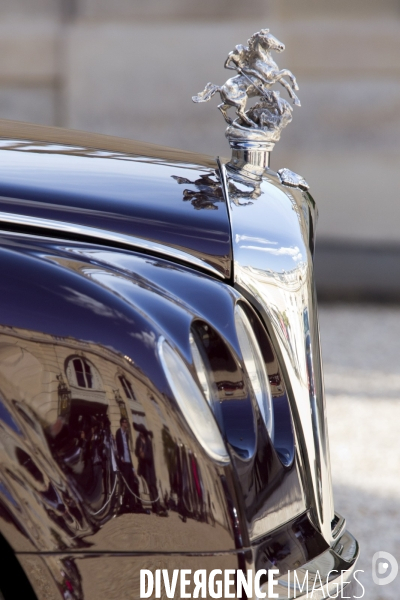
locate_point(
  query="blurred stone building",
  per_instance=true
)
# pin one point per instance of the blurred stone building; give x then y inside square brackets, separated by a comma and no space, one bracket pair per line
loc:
[130,67]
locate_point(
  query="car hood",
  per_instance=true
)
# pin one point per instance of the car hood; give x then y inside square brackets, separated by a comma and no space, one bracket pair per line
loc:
[158,199]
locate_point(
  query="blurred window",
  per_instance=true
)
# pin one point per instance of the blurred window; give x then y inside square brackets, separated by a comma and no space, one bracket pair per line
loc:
[83,373]
[127,388]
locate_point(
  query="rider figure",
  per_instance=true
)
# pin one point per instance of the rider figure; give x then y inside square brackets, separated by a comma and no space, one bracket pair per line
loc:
[238,61]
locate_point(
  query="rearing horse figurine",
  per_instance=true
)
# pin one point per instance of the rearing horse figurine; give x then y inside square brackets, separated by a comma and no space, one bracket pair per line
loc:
[256,69]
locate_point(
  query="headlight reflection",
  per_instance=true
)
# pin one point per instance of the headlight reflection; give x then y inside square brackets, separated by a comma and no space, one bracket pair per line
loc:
[255,367]
[192,404]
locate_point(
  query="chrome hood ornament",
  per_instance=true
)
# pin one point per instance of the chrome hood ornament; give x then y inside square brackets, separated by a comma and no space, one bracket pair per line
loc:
[260,126]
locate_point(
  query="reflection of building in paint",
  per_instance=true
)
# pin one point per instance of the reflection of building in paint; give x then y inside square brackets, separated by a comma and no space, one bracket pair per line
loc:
[65,386]
[87,396]
[69,378]
[55,376]
[137,414]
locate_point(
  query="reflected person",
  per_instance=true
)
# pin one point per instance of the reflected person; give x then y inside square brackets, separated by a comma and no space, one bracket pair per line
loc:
[146,468]
[131,501]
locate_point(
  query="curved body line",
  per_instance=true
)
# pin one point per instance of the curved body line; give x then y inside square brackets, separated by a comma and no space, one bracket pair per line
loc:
[119,238]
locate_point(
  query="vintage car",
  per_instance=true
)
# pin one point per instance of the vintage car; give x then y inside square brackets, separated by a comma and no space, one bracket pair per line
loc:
[161,394]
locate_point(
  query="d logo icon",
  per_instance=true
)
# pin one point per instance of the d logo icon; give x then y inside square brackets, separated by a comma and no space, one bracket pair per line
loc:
[379,568]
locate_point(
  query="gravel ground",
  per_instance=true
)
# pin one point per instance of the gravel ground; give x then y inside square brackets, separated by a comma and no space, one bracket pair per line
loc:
[361,352]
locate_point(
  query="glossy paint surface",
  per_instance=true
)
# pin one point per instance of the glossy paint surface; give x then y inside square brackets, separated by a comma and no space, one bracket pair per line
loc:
[273,241]
[78,352]
[165,200]
[297,546]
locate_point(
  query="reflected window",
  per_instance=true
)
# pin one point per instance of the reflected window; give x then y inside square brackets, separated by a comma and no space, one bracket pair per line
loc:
[83,373]
[127,388]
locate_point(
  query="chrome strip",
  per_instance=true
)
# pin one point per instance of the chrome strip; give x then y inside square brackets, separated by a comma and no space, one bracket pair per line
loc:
[101,234]
[273,269]
[339,527]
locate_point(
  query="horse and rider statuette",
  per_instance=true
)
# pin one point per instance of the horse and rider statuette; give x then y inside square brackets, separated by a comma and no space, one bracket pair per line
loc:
[257,72]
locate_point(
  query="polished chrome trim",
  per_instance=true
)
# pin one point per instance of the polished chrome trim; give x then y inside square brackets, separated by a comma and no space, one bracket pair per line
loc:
[257,155]
[339,527]
[214,445]
[273,268]
[101,234]
[340,558]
